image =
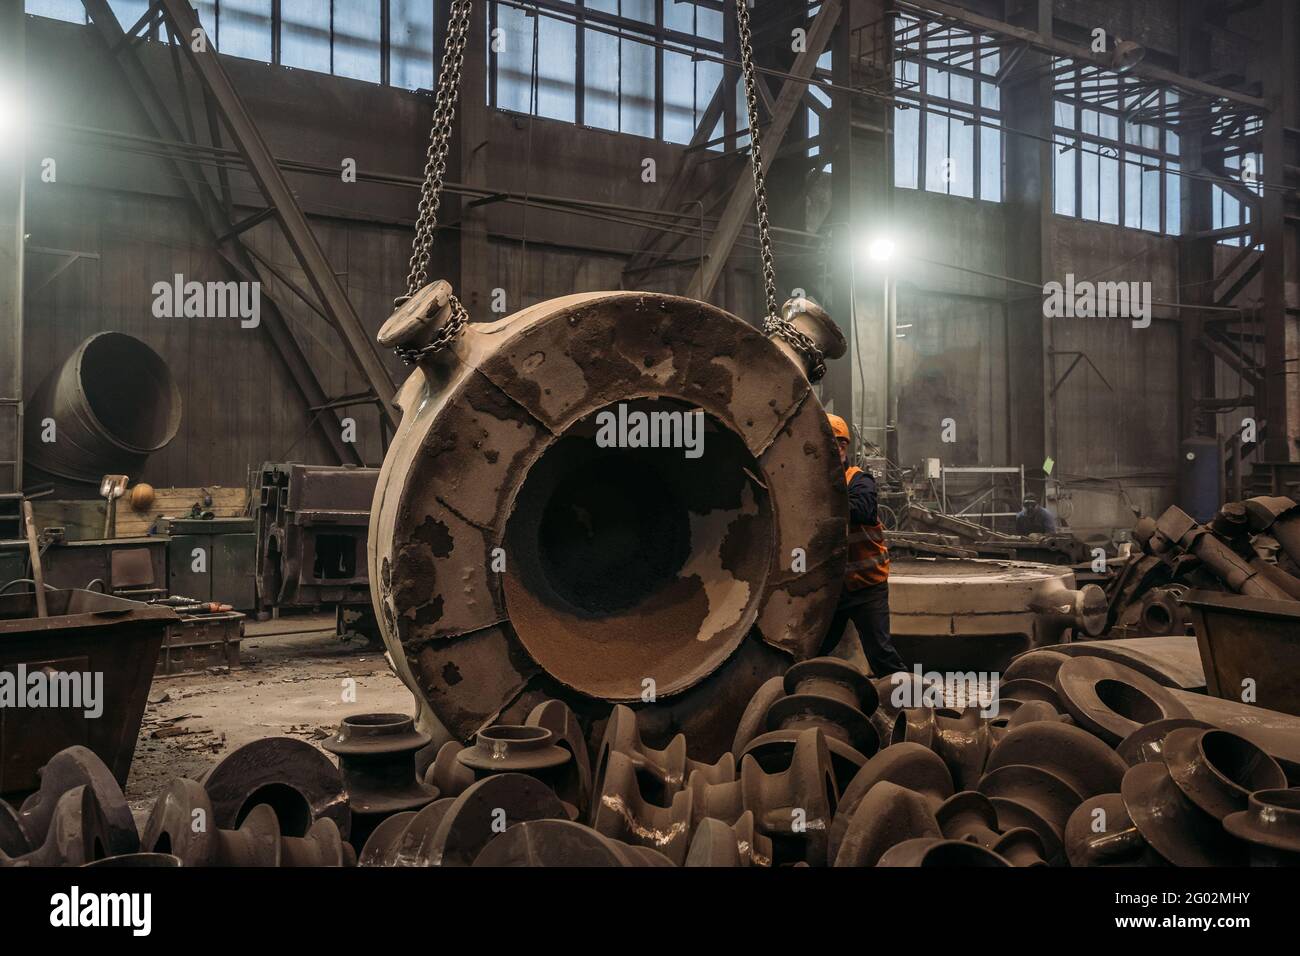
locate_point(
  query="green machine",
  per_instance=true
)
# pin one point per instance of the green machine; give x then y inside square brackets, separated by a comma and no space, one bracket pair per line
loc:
[213,559]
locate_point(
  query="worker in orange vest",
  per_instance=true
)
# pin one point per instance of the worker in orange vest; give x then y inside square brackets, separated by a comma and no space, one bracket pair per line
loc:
[865,598]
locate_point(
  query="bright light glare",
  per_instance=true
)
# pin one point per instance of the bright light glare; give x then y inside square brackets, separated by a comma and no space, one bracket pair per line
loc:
[11,113]
[881,249]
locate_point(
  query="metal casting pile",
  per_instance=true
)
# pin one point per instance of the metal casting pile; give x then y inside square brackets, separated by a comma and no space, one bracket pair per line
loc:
[1251,548]
[1084,763]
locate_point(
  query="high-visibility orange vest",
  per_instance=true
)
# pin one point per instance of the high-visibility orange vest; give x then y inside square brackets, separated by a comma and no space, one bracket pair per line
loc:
[868,562]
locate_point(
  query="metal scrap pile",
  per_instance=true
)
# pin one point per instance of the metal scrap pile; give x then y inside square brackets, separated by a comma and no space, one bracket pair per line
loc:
[1082,762]
[1251,548]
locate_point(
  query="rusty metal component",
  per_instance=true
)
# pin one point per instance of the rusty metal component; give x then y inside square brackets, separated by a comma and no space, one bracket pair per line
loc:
[115,404]
[291,776]
[181,824]
[961,738]
[376,754]
[512,748]
[498,450]
[969,815]
[86,633]
[1023,713]
[660,773]
[1218,770]
[1100,833]
[1159,611]
[753,720]
[794,807]
[1040,665]
[1111,700]
[1147,742]
[621,812]
[1279,517]
[1177,530]
[717,800]
[312,526]
[717,843]
[406,839]
[1175,827]
[1248,638]
[1271,825]
[68,769]
[78,832]
[1072,754]
[563,843]
[831,694]
[13,841]
[1021,846]
[775,749]
[487,808]
[932,852]
[447,774]
[136,860]
[886,816]
[909,765]
[1025,689]
[1033,797]
[557,717]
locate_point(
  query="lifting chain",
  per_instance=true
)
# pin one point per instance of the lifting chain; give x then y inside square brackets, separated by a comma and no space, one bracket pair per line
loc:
[774,323]
[435,167]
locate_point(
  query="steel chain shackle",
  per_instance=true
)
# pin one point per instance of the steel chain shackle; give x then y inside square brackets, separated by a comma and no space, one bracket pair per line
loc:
[435,168]
[773,322]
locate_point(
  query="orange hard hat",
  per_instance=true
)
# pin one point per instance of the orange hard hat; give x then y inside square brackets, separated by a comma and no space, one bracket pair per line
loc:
[839,426]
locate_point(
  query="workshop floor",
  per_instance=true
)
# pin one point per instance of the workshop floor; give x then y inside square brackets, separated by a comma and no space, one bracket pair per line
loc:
[289,682]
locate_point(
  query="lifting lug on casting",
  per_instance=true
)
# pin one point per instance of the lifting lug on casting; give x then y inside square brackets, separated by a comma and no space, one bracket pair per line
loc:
[424,323]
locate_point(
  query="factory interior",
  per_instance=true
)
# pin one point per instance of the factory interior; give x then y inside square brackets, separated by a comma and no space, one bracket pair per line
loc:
[651,433]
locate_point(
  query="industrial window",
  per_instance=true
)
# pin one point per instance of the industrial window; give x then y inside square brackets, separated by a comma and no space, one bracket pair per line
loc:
[1116,161]
[948,114]
[1244,163]
[378,41]
[632,66]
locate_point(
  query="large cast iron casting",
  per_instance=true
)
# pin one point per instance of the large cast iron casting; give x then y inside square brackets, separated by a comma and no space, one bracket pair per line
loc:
[517,557]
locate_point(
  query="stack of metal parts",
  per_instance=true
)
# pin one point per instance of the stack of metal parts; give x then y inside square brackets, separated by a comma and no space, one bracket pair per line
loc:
[1083,762]
[1251,548]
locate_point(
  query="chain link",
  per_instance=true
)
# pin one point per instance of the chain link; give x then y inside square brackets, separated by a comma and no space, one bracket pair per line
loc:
[443,338]
[435,167]
[773,322]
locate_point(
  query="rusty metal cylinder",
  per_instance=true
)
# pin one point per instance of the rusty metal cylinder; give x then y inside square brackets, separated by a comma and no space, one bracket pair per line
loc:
[112,403]
[525,544]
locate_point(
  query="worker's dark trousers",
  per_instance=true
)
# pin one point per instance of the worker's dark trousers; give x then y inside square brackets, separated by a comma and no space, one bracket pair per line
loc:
[868,609]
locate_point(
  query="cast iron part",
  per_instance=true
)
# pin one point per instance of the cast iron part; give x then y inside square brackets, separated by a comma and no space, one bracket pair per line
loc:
[661,774]
[1033,797]
[908,765]
[181,824]
[563,843]
[886,816]
[557,717]
[486,809]
[406,839]
[1176,828]
[621,812]
[1111,700]
[832,694]
[1147,742]
[1218,770]
[291,776]
[932,852]
[75,767]
[961,738]
[511,748]
[447,774]
[1271,825]
[716,843]
[376,754]
[795,807]
[1100,833]
[78,833]
[497,449]
[1072,754]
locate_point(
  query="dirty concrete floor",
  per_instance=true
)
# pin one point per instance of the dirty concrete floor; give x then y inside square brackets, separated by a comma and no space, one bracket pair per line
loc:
[290,682]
